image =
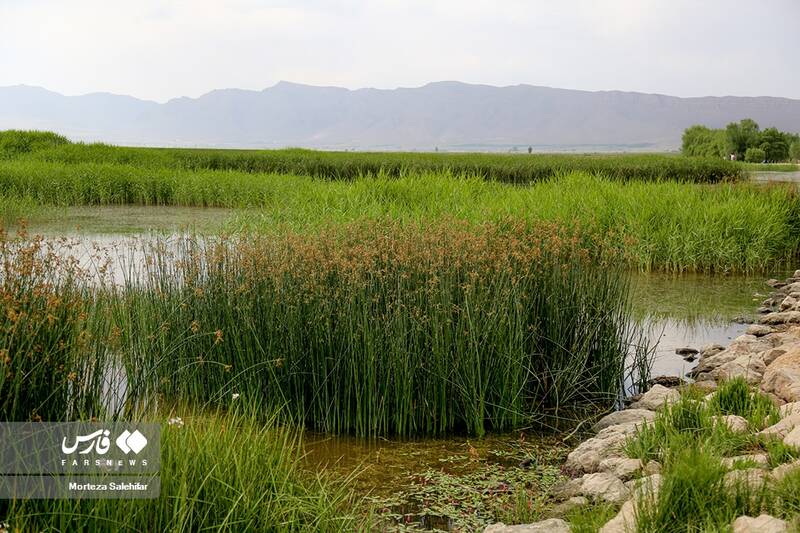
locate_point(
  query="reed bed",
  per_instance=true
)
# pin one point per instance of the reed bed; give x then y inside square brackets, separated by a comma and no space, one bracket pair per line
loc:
[507,168]
[383,329]
[668,226]
[50,360]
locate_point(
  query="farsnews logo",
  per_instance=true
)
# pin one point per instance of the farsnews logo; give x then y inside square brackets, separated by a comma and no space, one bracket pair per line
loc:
[99,442]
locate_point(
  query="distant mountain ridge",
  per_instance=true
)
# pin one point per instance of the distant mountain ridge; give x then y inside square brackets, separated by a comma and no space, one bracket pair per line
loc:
[444,115]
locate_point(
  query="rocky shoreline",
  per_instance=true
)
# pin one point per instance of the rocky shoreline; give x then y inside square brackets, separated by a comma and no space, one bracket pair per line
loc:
[767,357]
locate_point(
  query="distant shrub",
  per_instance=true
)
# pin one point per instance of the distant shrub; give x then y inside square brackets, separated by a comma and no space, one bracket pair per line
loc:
[17,142]
[755,155]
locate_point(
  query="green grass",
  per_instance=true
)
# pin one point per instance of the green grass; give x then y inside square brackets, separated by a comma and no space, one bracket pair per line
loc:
[690,445]
[220,471]
[16,143]
[349,165]
[662,226]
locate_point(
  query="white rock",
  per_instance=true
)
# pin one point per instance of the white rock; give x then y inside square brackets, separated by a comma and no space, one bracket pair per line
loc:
[782,317]
[652,467]
[789,303]
[586,458]
[753,478]
[759,330]
[656,398]
[759,459]
[750,366]
[625,416]
[553,525]
[793,438]
[707,385]
[622,467]
[624,522]
[735,423]
[604,486]
[763,524]
[782,377]
[781,471]
[742,345]
[770,355]
[783,427]
[790,409]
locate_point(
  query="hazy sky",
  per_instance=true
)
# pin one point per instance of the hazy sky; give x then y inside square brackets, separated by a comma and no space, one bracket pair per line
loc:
[162,49]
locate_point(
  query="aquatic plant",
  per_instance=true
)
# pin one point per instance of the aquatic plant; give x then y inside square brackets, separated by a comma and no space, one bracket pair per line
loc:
[383,329]
[50,363]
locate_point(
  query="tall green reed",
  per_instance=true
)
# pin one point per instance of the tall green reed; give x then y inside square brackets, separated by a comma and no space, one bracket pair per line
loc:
[383,329]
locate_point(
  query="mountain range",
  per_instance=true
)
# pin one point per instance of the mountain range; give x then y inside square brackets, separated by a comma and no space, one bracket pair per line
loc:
[441,115]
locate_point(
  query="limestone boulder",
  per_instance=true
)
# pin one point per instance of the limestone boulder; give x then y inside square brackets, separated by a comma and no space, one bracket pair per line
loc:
[782,377]
[790,409]
[602,486]
[759,330]
[735,423]
[781,317]
[586,458]
[762,524]
[751,478]
[625,416]
[759,459]
[793,438]
[622,467]
[553,525]
[781,471]
[784,426]
[750,366]
[657,397]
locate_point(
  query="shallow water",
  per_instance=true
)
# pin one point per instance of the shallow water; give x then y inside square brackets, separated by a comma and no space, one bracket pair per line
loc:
[790,177]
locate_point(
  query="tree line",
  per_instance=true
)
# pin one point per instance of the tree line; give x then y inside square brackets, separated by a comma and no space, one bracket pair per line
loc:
[743,140]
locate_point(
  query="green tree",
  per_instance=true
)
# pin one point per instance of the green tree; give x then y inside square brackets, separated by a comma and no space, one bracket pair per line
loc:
[701,141]
[754,155]
[741,136]
[775,145]
[794,150]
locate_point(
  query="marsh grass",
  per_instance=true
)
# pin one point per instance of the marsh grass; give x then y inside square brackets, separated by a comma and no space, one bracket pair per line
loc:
[50,360]
[233,470]
[384,329]
[350,165]
[670,226]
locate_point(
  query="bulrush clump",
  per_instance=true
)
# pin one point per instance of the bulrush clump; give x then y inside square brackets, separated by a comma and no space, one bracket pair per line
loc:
[46,371]
[383,327]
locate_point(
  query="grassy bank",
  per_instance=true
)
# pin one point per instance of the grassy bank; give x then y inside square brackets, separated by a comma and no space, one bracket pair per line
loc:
[508,168]
[694,494]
